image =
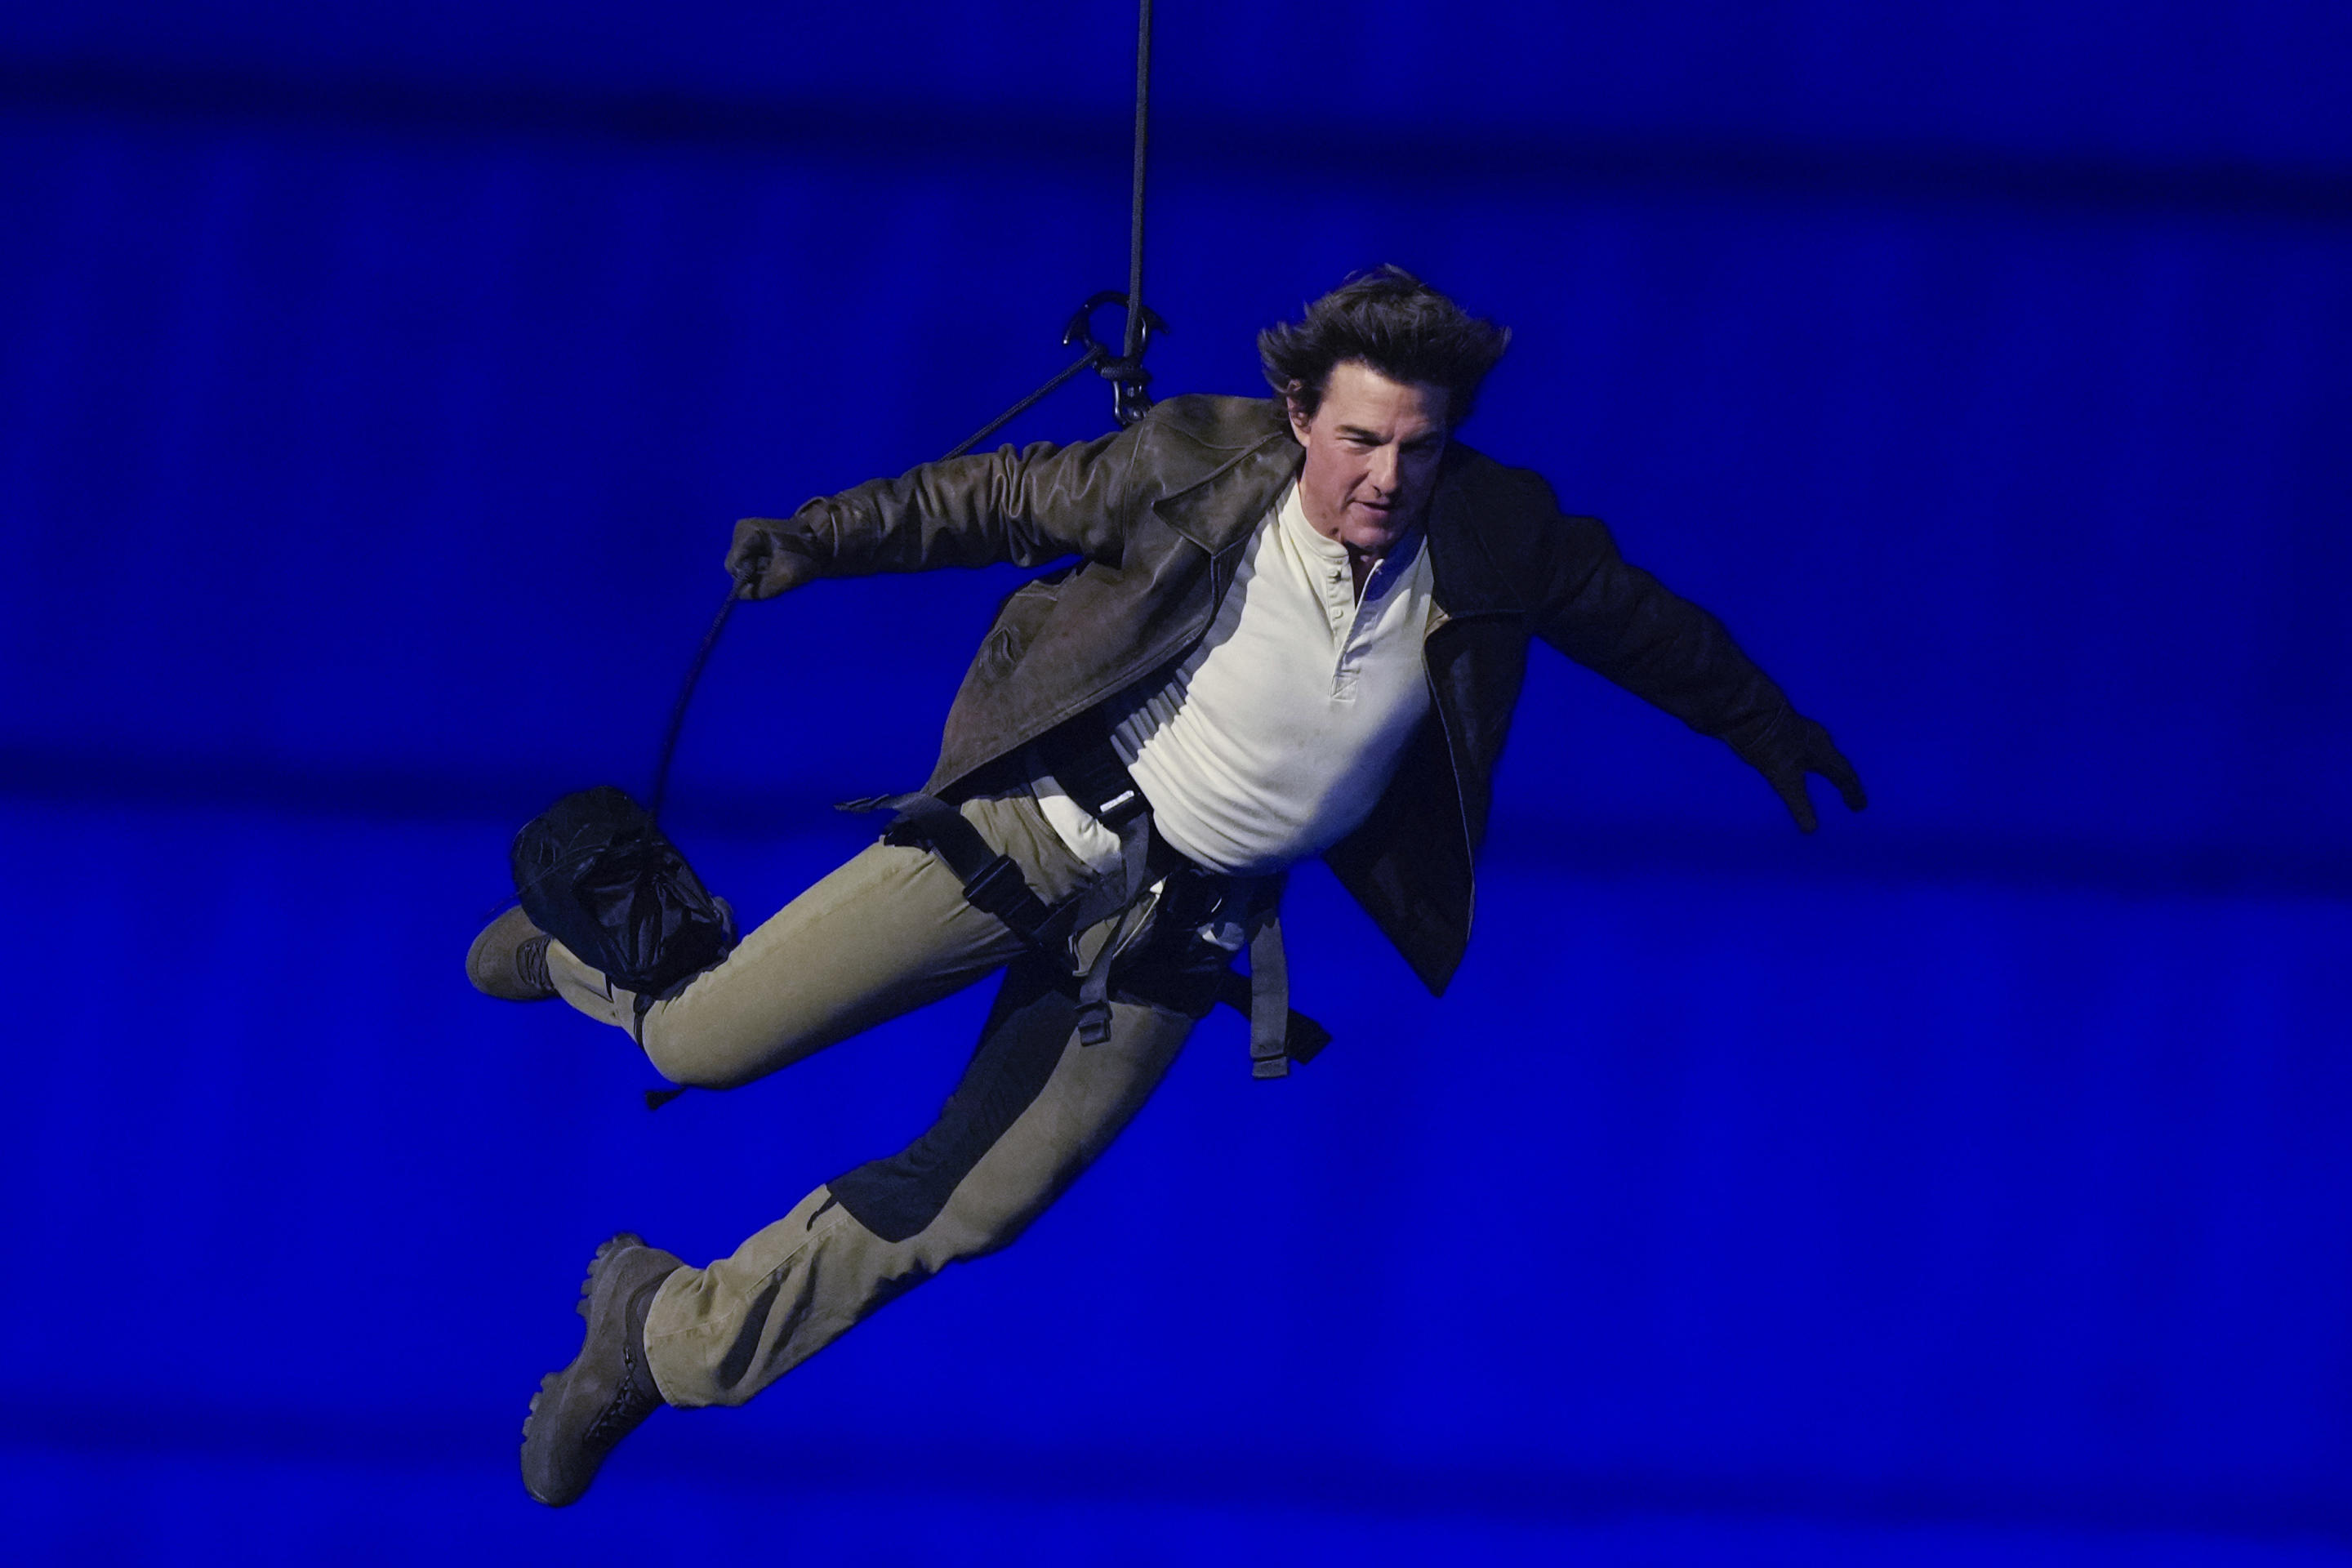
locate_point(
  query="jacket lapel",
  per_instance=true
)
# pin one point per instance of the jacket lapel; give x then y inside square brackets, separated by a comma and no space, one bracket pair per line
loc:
[1219,511]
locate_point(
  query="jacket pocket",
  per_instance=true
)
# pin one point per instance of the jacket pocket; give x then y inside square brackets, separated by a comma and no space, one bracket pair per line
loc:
[1023,613]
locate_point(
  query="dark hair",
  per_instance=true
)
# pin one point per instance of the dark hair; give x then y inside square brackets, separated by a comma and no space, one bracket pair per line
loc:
[1396,325]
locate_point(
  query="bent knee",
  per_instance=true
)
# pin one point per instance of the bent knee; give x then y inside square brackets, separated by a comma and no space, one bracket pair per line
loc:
[694,1058]
[949,1220]
[958,1238]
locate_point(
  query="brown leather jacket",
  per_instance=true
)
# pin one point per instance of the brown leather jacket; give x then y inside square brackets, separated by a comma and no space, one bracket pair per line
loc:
[1158,514]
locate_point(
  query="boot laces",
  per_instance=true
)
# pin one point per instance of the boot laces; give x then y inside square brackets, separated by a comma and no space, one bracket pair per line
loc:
[530,964]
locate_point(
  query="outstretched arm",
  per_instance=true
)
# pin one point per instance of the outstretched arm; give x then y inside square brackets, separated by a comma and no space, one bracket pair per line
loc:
[1028,507]
[1622,622]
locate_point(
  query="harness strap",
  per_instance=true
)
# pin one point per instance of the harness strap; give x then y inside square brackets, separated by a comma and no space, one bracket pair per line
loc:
[1269,1008]
[1095,778]
[1094,980]
[1090,773]
[1302,1037]
[993,884]
[1094,985]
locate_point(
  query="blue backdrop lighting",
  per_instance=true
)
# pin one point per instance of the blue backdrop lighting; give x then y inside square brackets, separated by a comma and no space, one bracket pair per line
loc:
[1964,1185]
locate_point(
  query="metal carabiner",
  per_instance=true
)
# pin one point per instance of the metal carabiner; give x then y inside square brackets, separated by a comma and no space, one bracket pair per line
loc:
[1127,375]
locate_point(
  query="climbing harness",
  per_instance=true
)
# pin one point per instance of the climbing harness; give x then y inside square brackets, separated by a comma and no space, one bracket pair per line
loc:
[1183,899]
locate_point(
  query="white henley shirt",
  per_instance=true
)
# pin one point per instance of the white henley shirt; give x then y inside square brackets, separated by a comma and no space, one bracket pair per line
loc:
[1276,735]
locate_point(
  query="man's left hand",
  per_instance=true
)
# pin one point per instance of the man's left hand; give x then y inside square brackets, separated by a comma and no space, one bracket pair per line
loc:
[1809,752]
[767,558]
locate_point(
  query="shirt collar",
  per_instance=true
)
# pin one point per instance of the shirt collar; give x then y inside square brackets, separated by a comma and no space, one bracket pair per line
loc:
[1290,513]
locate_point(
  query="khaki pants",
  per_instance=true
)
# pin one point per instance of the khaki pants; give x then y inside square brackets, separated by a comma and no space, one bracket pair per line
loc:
[888,933]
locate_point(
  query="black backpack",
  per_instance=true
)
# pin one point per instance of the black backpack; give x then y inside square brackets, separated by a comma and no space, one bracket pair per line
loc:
[594,872]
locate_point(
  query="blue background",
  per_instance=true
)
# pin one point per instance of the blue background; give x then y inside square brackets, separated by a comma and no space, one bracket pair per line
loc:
[1966,1185]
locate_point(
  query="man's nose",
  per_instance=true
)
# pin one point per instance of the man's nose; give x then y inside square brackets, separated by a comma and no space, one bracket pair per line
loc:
[1384,474]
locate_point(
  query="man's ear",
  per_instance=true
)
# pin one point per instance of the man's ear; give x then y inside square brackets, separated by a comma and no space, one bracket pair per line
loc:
[1299,417]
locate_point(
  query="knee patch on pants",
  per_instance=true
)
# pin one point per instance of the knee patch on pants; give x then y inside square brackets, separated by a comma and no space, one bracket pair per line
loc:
[1031,1022]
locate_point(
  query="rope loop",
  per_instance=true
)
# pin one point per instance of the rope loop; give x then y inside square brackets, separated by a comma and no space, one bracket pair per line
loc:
[1126,373]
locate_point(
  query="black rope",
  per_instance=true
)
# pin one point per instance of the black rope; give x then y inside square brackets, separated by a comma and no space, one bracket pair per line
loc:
[1124,371]
[1094,355]
[685,695]
[1132,347]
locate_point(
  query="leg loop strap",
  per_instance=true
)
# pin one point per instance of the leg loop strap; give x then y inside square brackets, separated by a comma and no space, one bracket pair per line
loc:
[1269,1009]
[991,882]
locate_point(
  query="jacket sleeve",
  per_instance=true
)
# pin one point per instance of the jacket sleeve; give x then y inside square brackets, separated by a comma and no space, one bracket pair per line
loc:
[1619,621]
[1029,507]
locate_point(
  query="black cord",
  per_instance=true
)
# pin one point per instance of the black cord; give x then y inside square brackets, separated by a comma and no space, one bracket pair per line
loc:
[1133,343]
[685,694]
[1092,356]
[1127,397]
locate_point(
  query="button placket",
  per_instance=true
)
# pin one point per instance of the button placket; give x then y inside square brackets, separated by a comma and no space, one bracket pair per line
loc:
[1343,673]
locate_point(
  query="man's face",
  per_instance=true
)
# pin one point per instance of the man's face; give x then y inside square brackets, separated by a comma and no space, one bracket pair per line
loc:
[1372,450]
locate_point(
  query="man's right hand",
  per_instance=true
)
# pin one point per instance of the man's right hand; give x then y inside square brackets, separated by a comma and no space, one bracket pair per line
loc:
[768,557]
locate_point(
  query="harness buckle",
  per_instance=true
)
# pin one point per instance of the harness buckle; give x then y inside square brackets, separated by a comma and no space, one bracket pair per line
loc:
[1121,809]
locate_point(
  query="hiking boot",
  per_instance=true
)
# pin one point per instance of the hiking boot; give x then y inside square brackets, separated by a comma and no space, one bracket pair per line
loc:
[579,1412]
[508,960]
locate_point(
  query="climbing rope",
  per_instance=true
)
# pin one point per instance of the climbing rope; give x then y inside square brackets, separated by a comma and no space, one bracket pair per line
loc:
[1124,370]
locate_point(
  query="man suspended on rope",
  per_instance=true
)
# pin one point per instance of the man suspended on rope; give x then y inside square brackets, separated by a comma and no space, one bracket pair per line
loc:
[1279,628]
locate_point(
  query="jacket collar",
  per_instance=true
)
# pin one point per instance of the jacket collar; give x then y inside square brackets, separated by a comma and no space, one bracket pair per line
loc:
[1222,509]
[1219,512]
